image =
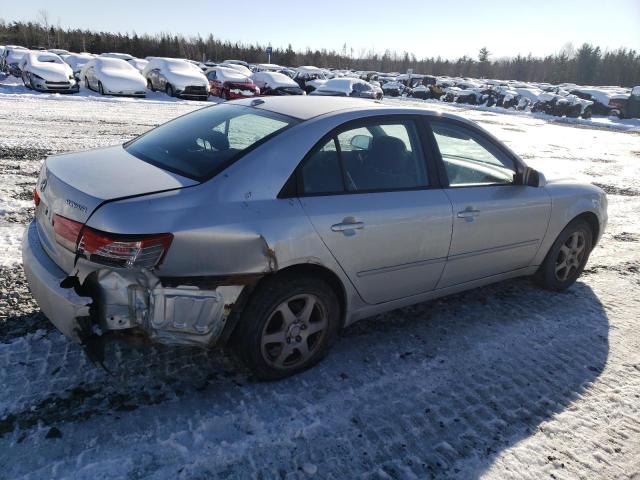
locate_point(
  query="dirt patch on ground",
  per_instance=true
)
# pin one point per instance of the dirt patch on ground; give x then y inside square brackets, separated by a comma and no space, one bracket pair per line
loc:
[613,190]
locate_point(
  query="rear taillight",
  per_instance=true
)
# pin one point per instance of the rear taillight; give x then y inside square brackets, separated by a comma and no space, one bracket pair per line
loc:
[36,197]
[67,232]
[114,250]
[123,251]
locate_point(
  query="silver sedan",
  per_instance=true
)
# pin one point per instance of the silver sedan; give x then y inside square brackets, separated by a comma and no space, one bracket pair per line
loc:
[270,224]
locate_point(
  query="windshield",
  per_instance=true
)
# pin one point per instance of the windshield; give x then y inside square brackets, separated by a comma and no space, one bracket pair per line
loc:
[201,144]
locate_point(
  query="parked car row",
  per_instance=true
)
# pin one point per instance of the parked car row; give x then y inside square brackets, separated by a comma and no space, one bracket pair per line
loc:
[116,73]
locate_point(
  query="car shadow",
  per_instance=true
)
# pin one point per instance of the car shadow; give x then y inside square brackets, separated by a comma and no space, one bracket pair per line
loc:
[438,389]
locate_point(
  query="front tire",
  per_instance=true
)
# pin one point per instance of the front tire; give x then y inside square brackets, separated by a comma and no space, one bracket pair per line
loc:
[288,326]
[567,257]
[100,88]
[170,91]
[150,86]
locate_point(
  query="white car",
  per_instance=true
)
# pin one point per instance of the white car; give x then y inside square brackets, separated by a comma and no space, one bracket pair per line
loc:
[138,63]
[238,68]
[267,67]
[47,72]
[76,61]
[274,83]
[113,76]
[348,87]
[121,56]
[178,78]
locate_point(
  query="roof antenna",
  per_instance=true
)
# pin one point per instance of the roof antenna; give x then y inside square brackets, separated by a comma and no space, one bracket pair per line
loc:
[256,102]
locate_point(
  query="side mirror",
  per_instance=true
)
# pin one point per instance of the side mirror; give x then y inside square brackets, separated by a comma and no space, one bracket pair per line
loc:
[361,142]
[533,178]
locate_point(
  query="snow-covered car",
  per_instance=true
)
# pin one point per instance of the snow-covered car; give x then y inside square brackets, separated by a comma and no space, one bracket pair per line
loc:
[230,84]
[395,89]
[46,72]
[267,67]
[348,87]
[270,224]
[121,56]
[177,78]
[309,78]
[236,62]
[138,63]
[61,52]
[238,68]
[10,61]
[625,105]
[76,61]
[562,104]
[274,83]
[113,76]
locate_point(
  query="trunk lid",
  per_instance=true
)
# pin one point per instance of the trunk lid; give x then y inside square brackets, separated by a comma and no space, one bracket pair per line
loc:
[73,185]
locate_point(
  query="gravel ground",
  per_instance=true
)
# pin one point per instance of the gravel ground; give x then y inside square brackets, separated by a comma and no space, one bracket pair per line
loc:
[506,381]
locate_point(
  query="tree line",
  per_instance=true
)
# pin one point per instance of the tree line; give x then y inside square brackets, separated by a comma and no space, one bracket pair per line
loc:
[586,64]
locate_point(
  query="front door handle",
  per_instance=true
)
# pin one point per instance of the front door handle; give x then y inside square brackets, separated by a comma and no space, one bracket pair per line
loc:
[469,214]
[347,226]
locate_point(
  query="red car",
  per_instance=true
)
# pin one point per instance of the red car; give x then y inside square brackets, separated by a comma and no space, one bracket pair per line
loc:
[230,84]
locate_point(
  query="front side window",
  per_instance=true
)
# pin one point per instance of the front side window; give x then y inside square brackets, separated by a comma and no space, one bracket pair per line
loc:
[378,156]
[201,144]
[470,159]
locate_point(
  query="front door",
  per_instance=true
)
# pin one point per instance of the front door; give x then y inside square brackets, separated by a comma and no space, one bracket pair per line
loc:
[498,224]
[368,194]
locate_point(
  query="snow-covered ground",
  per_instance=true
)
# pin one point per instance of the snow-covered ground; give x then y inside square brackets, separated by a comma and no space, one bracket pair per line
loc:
[507,381]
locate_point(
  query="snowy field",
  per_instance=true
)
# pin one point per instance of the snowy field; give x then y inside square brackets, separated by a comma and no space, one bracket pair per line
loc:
[507,381]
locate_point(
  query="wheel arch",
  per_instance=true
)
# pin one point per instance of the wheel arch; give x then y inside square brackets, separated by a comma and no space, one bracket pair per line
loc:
[300,269]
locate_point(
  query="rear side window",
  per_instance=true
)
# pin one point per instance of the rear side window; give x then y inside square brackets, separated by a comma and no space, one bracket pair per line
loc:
[201,144]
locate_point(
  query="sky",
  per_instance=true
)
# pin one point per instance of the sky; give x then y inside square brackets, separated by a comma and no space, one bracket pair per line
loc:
[426,28]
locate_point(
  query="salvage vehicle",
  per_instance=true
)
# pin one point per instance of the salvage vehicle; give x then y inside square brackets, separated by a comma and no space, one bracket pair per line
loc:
[47,72]
[76,61]
[273,83]
[348,87]
[113,76]
[309,78]
[395,89]
[269,224]
[229,84]
[626,105]
[10,60]
[177,78]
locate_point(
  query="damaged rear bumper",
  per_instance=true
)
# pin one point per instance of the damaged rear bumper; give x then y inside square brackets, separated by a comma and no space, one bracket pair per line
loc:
[62,306]
[126,301]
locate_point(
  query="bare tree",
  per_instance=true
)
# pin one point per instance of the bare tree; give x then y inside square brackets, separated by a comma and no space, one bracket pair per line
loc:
[43,17]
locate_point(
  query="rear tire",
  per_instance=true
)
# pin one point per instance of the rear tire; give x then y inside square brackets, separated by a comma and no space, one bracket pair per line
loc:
[288,326]
[150,86]
[100,88]
[170,91]
[567,257]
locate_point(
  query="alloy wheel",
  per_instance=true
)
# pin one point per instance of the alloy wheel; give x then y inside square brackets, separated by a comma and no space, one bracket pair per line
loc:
[570,256]
[294,331]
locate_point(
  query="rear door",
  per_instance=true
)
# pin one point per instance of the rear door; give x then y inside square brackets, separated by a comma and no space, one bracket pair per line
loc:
[367,190]
[498,223]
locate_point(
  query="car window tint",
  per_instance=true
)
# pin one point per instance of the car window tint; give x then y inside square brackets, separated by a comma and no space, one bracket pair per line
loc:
[470,159]
[321,172]
[391,160]
[200,144]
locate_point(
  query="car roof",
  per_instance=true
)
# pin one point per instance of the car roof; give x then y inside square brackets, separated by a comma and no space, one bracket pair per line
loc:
[304,107]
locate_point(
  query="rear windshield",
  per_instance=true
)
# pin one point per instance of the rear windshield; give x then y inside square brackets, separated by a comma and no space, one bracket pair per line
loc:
[201,144]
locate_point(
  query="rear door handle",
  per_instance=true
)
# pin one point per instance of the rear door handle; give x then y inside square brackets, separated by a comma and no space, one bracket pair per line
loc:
[348,224]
